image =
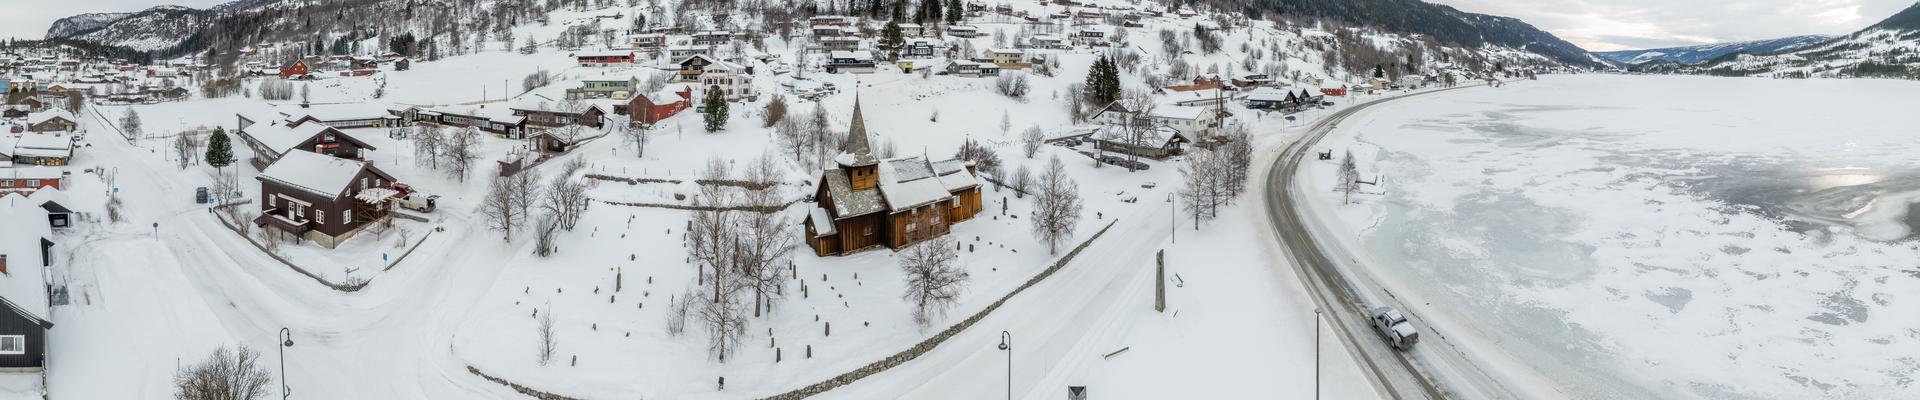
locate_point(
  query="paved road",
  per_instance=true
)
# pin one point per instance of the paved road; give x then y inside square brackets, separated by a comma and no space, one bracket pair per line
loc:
[1434,369]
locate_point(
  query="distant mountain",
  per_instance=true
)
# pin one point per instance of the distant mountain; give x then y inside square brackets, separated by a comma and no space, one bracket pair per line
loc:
[1889,49]
[1446,24]
[1697,54]
[147,30]
[83,23]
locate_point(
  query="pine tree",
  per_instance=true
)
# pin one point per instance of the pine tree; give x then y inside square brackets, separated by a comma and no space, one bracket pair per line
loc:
[716,106]
[954,12]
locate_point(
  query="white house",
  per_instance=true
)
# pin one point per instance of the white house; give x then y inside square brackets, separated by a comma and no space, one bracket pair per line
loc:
[732,78]
[1192,122]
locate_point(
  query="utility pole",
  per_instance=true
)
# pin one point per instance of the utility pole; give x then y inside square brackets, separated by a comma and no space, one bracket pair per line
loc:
[1316,354]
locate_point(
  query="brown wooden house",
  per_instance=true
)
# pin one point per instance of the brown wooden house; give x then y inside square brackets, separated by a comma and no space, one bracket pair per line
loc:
[272,140]
[321,198]
[865,202]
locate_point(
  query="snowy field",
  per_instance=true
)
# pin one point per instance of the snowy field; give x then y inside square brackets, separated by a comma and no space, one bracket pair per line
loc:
[1654,237]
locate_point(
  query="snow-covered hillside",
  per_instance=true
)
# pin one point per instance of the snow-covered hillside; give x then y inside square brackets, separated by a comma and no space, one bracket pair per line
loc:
[1889,49]
[1701,53]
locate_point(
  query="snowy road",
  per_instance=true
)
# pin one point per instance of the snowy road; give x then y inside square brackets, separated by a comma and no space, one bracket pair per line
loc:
[1433,369]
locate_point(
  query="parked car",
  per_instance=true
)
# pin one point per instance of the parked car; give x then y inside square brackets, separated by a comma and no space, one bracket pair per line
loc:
[1395,328]
[200,196]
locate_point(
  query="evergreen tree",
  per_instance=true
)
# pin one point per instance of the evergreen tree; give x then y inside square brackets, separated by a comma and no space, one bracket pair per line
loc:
[219,149]
[716,106]
[954,12]
[891,40]
[929,12]
[1103,82]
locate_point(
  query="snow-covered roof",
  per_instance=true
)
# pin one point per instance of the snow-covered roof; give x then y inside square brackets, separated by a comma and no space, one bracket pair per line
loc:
[24,286]
[1268,94]
[663,97]
[282,138]
[848,203]
[320,174]
[32,172]
[855,54]
[904,194]
[1005,51]
[822,222]
[604,53]
[496,114]
[44,116]
[1179,112]
[338,112]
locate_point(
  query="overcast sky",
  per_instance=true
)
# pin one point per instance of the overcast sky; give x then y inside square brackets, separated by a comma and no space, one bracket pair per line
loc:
[29,19]
[1603,25]
[1597,25]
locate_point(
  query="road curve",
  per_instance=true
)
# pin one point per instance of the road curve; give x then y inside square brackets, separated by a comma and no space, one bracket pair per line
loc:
[1434,369]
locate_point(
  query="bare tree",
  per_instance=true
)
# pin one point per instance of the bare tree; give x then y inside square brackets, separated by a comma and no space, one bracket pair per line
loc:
[502,205]
[1238,155]
[224,375]
[566,195]
[1012,84]
[1348,178]
[548,343]
[1201,184]
[1140,127]
[1056,208]
[428,142]
[934,276]
[638,137]
[1032,139]
[461,151]
[677,310]
[767,239]
[543,234]
[130,123]
[1022,181]
[183,148]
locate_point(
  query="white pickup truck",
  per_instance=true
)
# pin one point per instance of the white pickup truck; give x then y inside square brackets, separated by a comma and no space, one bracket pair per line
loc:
[1395,328]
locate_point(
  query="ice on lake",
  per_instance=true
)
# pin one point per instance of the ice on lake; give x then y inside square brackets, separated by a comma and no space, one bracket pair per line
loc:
[1662,237]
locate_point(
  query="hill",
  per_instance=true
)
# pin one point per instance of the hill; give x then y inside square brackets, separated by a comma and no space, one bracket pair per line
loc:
[1705,52]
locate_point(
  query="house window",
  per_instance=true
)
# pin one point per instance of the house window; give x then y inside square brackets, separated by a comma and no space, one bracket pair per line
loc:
[33,183]
[956,202]
[910,226]
[320,215]
[346,217]
[868,231]
[13,344]
[6,183]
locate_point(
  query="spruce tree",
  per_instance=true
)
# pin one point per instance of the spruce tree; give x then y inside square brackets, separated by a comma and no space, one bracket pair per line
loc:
[219,149]
[716,106]
[1103,82]
[891,40]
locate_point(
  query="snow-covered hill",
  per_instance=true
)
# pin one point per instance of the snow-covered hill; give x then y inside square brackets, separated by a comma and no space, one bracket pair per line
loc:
[152,29]
[1889,49]
[1700,53]
[83,23]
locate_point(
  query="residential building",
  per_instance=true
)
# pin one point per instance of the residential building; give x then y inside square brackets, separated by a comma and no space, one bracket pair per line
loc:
[322,199]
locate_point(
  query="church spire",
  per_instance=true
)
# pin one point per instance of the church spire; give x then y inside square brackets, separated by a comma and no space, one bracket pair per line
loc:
[857,152]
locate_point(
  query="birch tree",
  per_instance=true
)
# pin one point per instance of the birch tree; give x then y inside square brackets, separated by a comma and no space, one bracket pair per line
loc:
[1056,207]
[934,277]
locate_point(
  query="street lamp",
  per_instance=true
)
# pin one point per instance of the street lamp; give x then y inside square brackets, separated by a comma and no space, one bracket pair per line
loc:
[286,337]
[1316,354]
[1172,220]
[1006,343]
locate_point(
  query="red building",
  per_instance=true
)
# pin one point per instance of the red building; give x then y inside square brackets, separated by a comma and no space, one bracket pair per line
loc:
[1333,90]
[604,58]
[651,108]
[293,69]
[30,178]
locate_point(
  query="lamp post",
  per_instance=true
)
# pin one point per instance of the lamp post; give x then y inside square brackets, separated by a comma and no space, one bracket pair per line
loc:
[1172,220]
[286,340]
[1316,354]
[1006,343]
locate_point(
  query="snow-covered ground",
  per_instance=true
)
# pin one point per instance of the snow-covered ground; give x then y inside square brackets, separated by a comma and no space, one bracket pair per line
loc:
[1649,237]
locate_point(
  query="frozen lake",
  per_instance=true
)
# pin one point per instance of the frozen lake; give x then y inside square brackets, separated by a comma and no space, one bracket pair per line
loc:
[1660,237]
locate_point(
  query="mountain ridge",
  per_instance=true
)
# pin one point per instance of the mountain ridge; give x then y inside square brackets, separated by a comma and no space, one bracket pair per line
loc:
[1705,52]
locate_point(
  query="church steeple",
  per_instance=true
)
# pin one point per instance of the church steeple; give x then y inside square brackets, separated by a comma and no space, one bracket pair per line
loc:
[857,151]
